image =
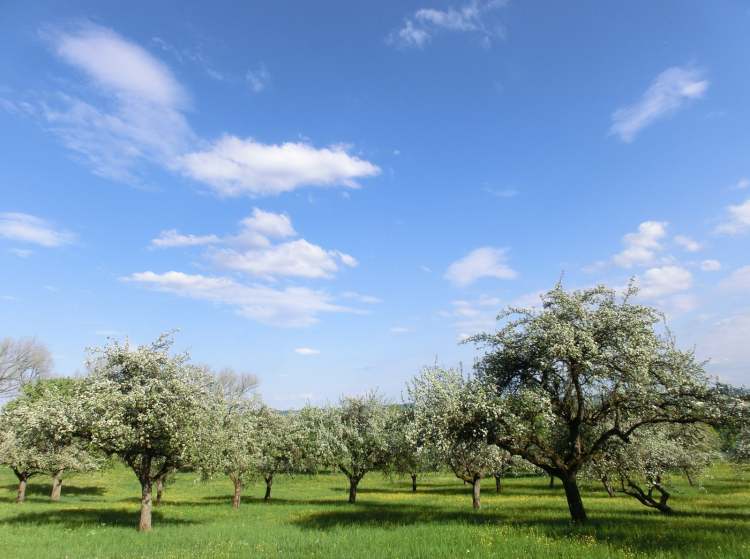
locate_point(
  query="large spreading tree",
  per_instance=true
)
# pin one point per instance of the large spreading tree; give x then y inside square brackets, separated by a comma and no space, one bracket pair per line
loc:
[151,408]
[585,368]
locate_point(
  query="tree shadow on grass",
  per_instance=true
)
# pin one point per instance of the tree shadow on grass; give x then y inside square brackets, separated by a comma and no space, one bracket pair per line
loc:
[41,491]
[629,530]
[81,518]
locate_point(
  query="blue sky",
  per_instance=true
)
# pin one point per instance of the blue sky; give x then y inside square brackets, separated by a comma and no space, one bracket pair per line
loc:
[332,194]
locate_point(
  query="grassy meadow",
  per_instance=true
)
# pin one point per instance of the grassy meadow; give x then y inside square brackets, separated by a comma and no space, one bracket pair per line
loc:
[309,517]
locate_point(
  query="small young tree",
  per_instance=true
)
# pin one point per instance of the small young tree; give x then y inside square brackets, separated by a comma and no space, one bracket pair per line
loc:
[446,409]
[581,371]
[150,408]
[357,437]
[407,454]
[279,439]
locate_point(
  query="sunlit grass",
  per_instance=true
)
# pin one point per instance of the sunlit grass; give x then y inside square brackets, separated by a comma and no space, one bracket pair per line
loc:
[309,517]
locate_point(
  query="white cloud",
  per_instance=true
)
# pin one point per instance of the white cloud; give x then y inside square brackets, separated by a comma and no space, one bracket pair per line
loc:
[474,316]
[400,330]
[367,299]
[742,184]
[307,351]
[739,280]
[172,238]
[269,224]
[710,265]
[144,120]
[292,306]
[501,193]
[641,247]
[664,280]
[687,243]
[738,220]
[670,91]
[419,28]
[258,79]
[31,229]
[484,262]
[725,344]
[298,258]
[234,167]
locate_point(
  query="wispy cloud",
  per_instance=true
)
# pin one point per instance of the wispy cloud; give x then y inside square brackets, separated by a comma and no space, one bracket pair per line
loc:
[258,79]
[307,351]
[418,29]
[484,262]
[172,238]
[670,91]
[737,221]
[690,245]
[32,229]
[291,306]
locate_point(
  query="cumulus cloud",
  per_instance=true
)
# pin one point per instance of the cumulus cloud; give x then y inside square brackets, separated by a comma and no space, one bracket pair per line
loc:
[234,166]
[291,306]
[484,262]
[664,280]
[641,247]
[738,219]
[307,351]
[670,91]
[32,229]
[276,226]
[419,28]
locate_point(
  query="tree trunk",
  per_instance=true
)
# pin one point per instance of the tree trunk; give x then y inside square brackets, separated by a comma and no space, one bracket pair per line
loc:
[144,525]
[608,487]
[56,486]
[353,482]
[237,497]
[269,482]
[22,481]
[159,490]
[689,477]
[414,483]
[551,481]
[476,488]
[498,483]
[575,504]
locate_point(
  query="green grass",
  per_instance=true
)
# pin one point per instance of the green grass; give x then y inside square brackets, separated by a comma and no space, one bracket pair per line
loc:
[309,517]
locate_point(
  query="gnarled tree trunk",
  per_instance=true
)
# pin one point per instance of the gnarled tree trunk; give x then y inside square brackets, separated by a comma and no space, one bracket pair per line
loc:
[608,487]
[237,496]
[56,486]
[476,489]
[23,479]
[269,483]
[414,483]
[648,498]
[144,525]
[573,495]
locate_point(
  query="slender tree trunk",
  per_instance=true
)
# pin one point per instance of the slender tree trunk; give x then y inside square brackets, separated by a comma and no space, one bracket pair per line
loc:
[353,482]
[159,490]
[414,483]
[56,486]
[23,479]
[237,497]
[575,503]
[269,483]
[144,525]
[551,481]
[476,489]
[608,487]
[498,483]
[689,477]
